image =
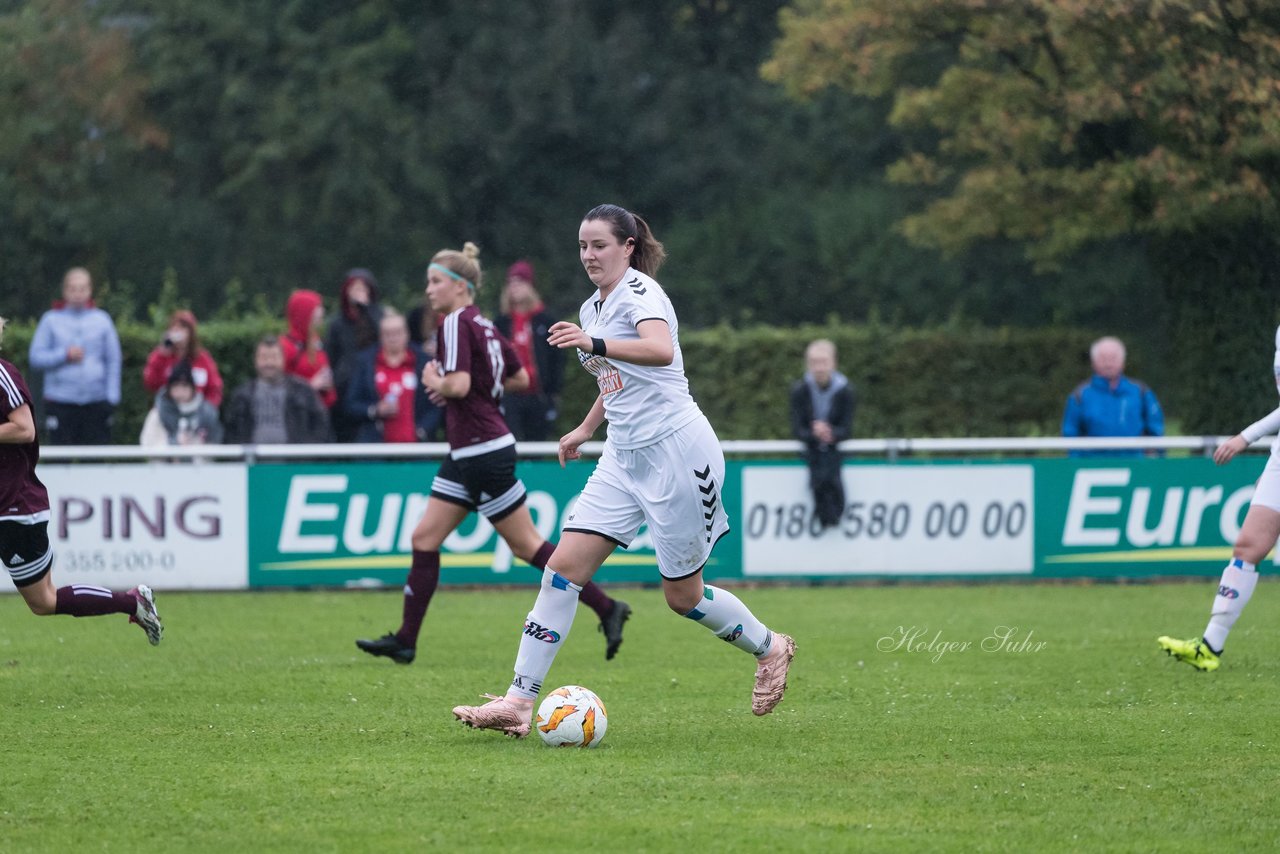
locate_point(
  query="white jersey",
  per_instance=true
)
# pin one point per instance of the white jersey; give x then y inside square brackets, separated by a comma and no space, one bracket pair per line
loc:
[642,403]
[1271,423]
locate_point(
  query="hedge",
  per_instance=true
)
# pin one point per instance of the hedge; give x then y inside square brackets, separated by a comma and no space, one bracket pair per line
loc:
[948,381]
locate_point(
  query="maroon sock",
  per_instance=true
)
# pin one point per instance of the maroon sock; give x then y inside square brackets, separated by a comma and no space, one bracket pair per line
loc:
[594,597]
[424,575]
[86,600]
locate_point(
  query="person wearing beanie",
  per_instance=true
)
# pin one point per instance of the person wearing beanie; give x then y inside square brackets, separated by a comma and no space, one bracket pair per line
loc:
[182,415]
[351,331]
[525,322]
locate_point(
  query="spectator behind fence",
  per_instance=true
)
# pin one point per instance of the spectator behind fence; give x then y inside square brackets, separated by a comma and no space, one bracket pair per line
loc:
[304,354]
[524,320]
[181,415]
[274,408]
[424,326]
[352,329]
[822,405]
[77,348]
[1111,404]
[181,343]
[387,397]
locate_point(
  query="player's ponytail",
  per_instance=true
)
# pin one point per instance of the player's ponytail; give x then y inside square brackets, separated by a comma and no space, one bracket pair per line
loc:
[649,253]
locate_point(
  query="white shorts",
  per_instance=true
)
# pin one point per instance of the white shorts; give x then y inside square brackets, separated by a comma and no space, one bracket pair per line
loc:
[674,485]
[1267,493]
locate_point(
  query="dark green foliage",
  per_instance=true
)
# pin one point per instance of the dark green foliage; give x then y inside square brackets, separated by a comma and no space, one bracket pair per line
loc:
[911,382]
[945,381]
[277,145]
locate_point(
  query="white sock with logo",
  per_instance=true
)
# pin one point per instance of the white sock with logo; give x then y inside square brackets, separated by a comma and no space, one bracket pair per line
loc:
[730,620]
[1238,581]
[545,630]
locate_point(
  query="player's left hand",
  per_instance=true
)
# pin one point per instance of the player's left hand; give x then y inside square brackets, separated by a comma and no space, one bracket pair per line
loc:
[1229,449]
[431,378]
[565,334]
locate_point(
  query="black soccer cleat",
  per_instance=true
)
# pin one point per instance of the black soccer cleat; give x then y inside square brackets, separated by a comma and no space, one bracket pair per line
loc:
[611,625]
[390,646]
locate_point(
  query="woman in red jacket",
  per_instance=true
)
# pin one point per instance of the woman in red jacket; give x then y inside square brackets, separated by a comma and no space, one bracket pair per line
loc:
[182,344]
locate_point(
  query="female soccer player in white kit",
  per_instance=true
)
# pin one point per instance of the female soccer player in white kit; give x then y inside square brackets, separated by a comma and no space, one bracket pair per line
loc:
[1257,535]
[661,464]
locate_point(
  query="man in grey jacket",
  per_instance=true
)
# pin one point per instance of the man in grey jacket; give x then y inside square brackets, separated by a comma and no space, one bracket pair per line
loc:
[77,348]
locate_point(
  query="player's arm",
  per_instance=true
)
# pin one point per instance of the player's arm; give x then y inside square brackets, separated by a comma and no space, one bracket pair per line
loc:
[452,385]
[516,383]
[570,442]
[19,428]
[515,377]
[653,348]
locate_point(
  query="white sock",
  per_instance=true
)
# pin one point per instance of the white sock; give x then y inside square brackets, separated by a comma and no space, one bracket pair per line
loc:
[544,631]
[1238,581]
[730,620]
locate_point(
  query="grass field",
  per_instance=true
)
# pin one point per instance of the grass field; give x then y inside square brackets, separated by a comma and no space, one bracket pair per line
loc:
[257,726]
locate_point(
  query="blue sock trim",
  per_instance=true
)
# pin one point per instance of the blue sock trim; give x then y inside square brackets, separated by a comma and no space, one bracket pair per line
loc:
[558,581]
[695,614]
[1237,563]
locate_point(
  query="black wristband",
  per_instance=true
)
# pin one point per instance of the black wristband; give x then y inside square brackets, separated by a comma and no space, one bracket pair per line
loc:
[597,346]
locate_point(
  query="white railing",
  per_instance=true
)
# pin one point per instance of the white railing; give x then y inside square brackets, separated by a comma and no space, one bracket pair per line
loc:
[888,448]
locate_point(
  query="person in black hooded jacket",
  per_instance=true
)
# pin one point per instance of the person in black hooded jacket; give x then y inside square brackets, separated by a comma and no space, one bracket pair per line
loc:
[353,329]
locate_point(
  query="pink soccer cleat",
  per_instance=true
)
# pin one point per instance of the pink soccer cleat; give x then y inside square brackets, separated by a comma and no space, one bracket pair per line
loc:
[500,714]
[771,676]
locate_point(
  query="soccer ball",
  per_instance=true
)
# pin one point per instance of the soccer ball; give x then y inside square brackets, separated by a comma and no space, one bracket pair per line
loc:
[571,716]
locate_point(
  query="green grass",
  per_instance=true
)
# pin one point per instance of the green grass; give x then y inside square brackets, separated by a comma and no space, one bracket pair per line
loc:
[258,726]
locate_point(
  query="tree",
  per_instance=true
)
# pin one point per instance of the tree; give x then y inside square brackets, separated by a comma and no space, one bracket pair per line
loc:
[1065,123]
[73,119]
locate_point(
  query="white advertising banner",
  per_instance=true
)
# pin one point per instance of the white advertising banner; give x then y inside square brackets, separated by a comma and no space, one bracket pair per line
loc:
[171,526]
[921,519]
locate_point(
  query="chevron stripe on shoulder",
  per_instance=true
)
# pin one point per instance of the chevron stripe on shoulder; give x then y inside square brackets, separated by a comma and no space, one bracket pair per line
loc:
[637,286]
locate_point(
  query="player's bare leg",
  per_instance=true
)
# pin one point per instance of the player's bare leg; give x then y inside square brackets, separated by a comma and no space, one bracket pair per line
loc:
[530,546]
[575,561]
[1257,537]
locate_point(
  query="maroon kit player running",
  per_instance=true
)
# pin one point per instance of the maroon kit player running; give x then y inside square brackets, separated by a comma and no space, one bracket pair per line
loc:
[24,524]
[474,365]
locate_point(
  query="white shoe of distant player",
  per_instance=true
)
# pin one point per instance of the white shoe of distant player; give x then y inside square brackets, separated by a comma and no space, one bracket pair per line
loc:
[146,615]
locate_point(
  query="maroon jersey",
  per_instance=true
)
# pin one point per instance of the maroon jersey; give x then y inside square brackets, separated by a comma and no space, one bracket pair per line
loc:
[468,342]
[23,497]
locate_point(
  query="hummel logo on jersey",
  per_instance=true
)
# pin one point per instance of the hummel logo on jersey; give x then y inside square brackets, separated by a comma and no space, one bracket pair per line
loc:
[15,560]
[541,633]
[638,287]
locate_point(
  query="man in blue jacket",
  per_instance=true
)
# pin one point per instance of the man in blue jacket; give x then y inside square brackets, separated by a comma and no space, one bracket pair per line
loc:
[77,348]
[1111,404]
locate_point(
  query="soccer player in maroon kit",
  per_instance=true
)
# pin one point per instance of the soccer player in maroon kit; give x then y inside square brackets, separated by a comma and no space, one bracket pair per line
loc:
[474,365]
[24,524]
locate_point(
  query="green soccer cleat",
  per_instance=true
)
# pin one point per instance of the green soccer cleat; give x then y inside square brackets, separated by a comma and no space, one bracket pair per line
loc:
[1194,652]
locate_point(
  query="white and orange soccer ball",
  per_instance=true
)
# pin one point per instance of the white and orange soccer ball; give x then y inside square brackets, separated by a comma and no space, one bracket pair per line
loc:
[571,716]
